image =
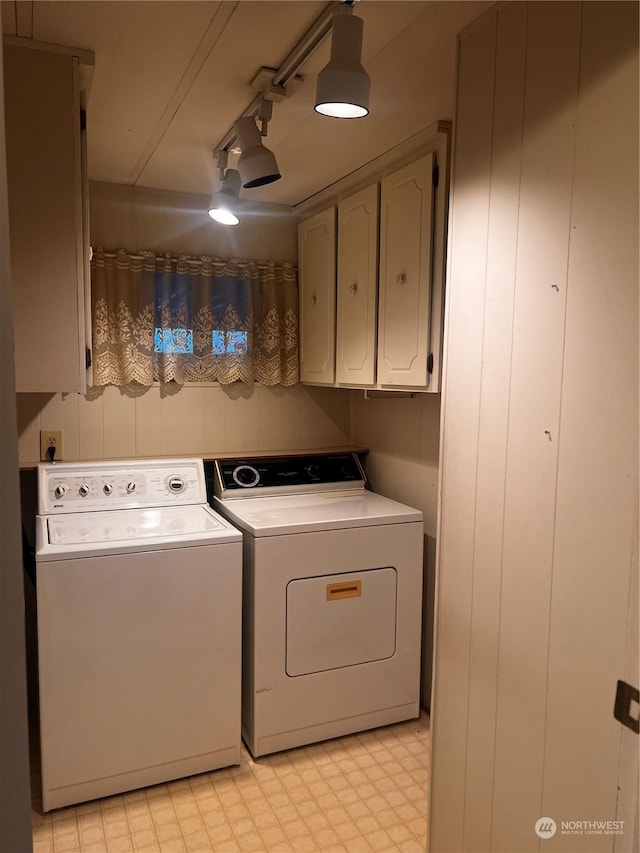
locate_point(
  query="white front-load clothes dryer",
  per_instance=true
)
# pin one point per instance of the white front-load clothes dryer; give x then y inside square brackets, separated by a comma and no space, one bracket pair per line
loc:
[139,627]
[332,599]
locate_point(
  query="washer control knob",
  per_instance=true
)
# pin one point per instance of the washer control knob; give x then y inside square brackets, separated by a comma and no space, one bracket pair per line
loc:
[313,471]
[176,484]
[246,476]
[131,487]
[60,490]
[84,490]
[107,488]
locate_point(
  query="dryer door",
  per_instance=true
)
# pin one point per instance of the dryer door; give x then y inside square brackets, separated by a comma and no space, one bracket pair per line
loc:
[340,620]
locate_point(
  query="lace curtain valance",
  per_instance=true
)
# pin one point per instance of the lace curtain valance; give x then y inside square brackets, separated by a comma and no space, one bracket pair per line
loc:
[163,318]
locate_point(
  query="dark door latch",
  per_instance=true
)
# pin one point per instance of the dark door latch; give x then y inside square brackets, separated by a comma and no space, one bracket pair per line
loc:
[625,696]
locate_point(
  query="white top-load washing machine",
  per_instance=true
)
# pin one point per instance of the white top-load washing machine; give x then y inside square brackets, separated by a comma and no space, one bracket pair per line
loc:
[139,627]
[332,599]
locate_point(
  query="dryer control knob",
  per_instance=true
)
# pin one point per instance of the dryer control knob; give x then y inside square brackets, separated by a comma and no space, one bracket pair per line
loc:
[60,490]
[131,487]
[84,490]
[313,471]
[246,476]
[107,488]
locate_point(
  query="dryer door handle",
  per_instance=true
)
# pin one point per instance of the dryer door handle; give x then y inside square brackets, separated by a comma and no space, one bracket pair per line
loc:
[346,589]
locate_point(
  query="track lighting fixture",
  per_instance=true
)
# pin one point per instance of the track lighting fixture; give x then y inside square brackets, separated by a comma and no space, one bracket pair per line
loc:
[257,164]
[342,91]
[342,88]
[225,202]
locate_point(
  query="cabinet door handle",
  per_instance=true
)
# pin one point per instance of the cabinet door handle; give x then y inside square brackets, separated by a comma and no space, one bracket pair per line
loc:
[626,696]
[354,287]
[401,278]
[314,299]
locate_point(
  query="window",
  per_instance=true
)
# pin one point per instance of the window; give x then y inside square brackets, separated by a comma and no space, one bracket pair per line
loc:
[181,341]
[173,340]
[225,343]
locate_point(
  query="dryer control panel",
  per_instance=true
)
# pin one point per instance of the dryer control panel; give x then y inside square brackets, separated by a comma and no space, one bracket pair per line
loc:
[239,478]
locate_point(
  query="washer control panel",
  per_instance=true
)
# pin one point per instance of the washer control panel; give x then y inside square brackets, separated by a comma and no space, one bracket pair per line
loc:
[235,478]
[74,487]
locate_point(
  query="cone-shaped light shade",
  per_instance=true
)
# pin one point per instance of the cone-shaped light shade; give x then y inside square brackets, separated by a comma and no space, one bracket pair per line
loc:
[225,203]
[257,165]
[342,89]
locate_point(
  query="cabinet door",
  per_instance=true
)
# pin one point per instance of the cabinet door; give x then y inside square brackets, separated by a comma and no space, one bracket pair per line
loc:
[317,277]
[357,288]
[406,213]
[42,121]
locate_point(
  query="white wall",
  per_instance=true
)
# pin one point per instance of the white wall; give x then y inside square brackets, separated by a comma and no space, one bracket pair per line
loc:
[15,799]
[402,435]
[539,473]
[202,420]
[139,218]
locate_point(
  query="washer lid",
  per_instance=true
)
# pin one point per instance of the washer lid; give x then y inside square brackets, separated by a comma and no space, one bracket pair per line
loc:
[275,516]
[124,531]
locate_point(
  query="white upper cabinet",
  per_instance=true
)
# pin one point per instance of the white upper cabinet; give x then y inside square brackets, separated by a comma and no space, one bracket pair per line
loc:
[405,274]
[378,324]
[317,282]
[357,288]
[46,218]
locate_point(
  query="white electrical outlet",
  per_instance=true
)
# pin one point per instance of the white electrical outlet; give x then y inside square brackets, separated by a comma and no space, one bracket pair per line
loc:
[51,445]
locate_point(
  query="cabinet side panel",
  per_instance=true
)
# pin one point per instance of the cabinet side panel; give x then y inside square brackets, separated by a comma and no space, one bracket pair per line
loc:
[42,168]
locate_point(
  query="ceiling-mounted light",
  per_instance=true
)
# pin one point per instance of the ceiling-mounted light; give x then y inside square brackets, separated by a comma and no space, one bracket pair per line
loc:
[257,165]
[342,89]
[225,202]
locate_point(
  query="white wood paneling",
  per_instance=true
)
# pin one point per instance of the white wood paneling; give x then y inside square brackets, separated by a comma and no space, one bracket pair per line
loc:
[317,282]
[628,806]
[553,43]
[357,290]
[598,449]
[494,418]
[15,821]
[459,453]
[539,459]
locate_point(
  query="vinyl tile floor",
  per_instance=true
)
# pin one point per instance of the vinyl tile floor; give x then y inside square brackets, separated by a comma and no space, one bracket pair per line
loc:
[357,793]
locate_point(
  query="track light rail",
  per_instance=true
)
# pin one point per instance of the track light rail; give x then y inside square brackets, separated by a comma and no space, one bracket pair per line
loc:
[311,40]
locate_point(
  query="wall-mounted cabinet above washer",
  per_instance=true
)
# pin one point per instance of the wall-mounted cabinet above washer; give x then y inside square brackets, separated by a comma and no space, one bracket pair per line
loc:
[387,286]
[45,89]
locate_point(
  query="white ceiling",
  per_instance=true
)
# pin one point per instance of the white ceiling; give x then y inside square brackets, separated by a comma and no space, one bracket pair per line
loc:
[171,78]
